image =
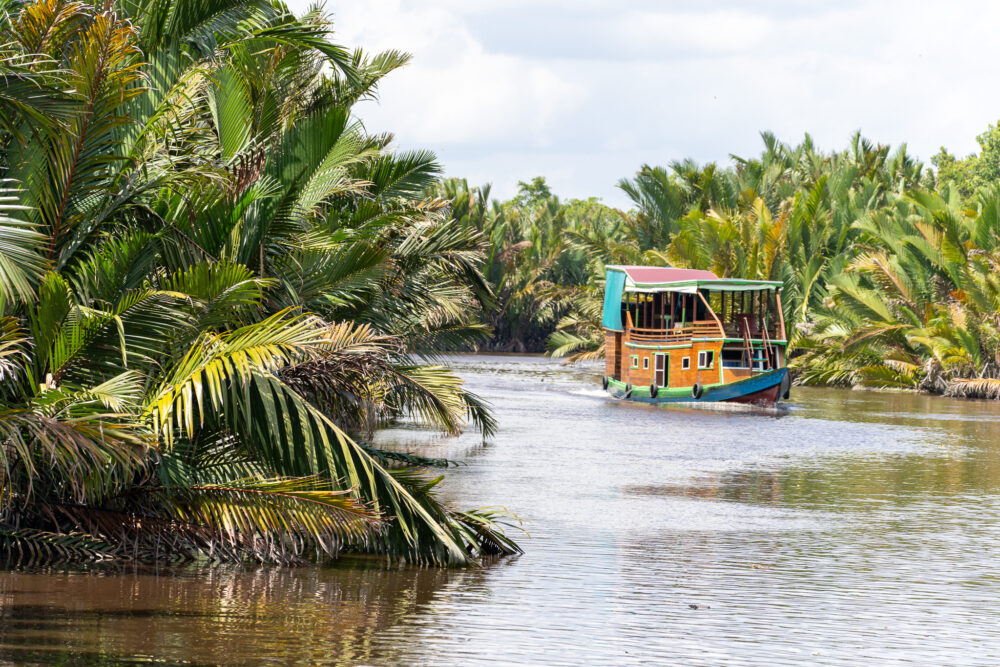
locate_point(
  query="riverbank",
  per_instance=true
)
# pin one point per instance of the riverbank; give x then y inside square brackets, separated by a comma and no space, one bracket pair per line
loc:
[968,389]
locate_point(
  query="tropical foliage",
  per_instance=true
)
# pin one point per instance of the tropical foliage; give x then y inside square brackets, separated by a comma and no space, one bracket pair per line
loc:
[889,267]
[888,275]
[214,283]
[533,269]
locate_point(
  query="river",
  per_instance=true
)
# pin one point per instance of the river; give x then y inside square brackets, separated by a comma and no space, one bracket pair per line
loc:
[849,527]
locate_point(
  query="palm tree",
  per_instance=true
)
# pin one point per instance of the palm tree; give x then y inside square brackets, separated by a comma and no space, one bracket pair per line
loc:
[917,304]
[182,249]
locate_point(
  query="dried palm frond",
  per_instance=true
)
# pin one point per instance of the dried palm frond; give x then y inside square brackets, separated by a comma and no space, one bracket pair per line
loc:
[974,388]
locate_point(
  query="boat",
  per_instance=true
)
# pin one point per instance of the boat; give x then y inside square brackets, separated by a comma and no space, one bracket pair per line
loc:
[685,335]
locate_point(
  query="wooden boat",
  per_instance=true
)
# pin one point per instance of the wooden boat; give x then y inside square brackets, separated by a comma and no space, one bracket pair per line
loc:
[681,335]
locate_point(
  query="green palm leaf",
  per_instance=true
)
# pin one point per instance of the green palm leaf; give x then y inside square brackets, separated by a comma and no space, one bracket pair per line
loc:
[21,265]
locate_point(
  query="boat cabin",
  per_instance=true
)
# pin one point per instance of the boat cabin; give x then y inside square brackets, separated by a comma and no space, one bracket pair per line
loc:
[680,329]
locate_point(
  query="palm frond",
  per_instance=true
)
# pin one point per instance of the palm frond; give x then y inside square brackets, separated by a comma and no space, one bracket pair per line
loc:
[276,519]
[21,265]
[26,546]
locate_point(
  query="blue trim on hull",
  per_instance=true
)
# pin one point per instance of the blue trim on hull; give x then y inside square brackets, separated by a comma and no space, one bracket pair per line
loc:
[722,392]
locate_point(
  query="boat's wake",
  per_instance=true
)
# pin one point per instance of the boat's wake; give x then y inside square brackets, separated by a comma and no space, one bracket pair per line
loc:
[590,393]
[769,410]
[772,410]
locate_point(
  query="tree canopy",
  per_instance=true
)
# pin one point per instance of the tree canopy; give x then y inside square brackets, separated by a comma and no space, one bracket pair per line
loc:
[889,268]
[214,285]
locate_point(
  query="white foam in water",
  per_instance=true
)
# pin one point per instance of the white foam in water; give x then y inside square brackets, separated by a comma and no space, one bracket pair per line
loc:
[721,406]
[590,393]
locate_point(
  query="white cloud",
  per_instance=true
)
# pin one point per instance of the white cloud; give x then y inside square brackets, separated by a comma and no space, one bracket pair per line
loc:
[585,92]
[456,92]
[714,32]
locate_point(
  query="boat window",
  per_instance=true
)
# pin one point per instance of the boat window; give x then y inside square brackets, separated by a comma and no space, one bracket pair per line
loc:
[635,361]
[706,358]
[645,363]
[734,358]
[686,363]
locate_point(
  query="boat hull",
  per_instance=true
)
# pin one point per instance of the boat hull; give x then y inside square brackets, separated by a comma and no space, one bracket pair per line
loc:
[765,388]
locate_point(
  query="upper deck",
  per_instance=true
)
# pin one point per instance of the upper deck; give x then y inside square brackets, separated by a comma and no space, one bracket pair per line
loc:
[651,279]
[665,305]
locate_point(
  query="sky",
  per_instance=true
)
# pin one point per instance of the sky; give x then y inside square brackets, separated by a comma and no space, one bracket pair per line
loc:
[585,92]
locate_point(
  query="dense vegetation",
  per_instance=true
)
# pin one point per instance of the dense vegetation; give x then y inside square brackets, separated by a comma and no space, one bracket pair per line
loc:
[215,283]
[890,268]
[211,278]
[532,266]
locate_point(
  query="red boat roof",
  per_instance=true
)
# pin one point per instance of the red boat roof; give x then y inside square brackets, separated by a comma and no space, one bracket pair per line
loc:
[657,275]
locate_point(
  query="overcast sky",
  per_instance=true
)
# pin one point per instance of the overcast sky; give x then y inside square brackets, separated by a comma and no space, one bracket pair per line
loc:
[584,92]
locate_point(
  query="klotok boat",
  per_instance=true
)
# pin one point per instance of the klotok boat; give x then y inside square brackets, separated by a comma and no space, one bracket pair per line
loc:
[680,335]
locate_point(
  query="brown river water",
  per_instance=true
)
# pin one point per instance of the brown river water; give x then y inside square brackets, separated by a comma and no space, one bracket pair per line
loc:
[847,528]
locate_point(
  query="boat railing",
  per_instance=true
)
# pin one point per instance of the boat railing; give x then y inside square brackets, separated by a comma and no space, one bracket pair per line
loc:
[735,330]
[676,335]
[747,347]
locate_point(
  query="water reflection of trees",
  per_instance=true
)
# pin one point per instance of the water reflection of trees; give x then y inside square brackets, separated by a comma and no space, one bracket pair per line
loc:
[954,449]
[845,482]
[215,615]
